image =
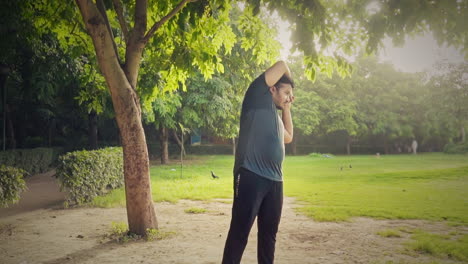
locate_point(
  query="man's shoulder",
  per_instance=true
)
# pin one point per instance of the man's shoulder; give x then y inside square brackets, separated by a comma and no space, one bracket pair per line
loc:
[259,81]
[257,93]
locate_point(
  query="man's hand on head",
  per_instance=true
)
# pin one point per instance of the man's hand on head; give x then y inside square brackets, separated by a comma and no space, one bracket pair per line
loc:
[287,105]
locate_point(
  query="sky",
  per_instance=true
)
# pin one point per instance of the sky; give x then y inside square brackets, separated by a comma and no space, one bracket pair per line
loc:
[417,54]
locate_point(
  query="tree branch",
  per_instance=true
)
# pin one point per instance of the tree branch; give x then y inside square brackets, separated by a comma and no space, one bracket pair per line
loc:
[120,15]
[179,141]
[74,26]
[102,10]
[176,137]
[165,19]
[103,45]
[141,18]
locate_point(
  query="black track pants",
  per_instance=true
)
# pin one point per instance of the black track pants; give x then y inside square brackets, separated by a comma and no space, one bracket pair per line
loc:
[254,196]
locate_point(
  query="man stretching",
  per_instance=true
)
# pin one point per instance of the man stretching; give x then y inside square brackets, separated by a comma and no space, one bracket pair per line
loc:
[258,177]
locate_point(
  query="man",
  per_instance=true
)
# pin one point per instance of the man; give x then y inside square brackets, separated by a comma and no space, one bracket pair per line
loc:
[414,146]
[258,187]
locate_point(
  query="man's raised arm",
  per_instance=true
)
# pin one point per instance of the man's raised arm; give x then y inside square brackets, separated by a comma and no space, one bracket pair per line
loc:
[275,72]
[272,76]
[287,122]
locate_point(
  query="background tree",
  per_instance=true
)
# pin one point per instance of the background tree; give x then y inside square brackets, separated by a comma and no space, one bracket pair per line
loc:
[306,108]
[72,38]
[212,104]
[41,80]
[162,117]
[53,70]
[379,108]
[325,106]
[198,32]
[381,100]
[449,98]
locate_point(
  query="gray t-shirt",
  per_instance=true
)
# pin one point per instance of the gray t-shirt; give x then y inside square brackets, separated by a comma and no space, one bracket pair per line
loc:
[261,138]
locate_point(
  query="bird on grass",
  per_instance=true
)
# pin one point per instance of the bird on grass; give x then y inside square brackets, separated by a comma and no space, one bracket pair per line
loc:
[341,167]
[213,175]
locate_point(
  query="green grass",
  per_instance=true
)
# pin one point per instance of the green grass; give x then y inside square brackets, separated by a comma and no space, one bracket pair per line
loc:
[194,182]
[195,210]
[425,186]
[158,234]
[431,186]
[446,246]
[389,233]
[119,233]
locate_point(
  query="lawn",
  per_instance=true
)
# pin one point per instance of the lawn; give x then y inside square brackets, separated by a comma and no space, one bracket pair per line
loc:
[425,186]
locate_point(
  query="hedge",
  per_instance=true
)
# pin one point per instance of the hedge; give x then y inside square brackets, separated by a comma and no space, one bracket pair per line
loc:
[87,174]
[11,185]
[33,161]
[460,148]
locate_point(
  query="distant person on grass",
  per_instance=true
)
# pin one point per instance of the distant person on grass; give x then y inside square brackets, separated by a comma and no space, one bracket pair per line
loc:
[414,146]
[258,176]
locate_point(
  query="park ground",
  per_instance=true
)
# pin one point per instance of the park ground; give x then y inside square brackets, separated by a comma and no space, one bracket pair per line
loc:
[39,230]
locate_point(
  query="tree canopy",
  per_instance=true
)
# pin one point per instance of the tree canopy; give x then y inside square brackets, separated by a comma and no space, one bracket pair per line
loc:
[327,32]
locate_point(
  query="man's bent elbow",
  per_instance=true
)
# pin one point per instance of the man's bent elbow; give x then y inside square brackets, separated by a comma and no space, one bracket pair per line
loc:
[288,140]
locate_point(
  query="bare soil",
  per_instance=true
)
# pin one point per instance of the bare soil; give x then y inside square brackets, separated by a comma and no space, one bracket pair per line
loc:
[38,230]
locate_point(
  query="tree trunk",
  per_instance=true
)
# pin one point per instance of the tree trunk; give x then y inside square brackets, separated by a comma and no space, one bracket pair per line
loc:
[10,128]
[234,146]
[122,84]
[4,70]
[52,127]
[463,134]
[348,145]
[294,147]
[385,145]
[140,208]
[179,142]
[93,130]
[164,141]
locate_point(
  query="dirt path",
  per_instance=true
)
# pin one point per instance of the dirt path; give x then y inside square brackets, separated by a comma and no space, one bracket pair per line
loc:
[77,236]
[42,192]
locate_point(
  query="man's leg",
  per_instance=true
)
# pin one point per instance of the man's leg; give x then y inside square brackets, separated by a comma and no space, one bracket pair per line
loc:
[248,194]
[268,220]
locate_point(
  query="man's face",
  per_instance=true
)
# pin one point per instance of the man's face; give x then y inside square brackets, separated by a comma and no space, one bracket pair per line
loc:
[282,95]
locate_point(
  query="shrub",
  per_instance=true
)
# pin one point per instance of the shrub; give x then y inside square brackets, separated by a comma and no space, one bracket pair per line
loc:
[87,174]
[11,185]
[460,148]
[33,161]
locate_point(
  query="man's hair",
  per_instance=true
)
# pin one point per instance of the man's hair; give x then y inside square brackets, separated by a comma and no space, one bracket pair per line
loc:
[286,80]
